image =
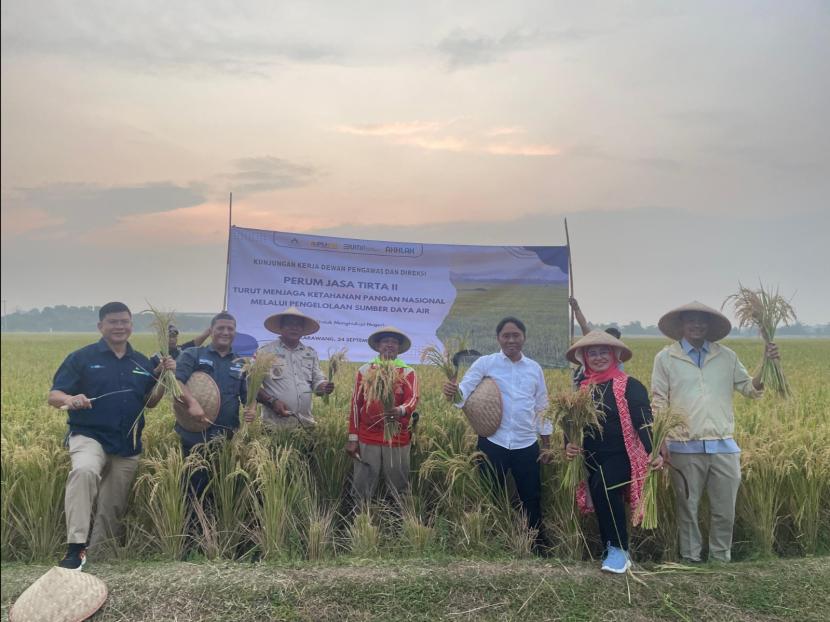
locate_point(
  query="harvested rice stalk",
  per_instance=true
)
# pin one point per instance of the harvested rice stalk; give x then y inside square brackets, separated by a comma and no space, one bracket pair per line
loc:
[161,324]
[257,369]
[576,412]
[443,359]
[764,310]
[665,425]
[379,384]
[336,359]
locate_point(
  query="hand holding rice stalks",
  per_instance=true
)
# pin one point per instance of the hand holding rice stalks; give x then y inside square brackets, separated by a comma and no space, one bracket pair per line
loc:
[443,359]
[161,326]
[379,384]
[665,425]
[336,359]
[576,412]
[764,310]
[257,369]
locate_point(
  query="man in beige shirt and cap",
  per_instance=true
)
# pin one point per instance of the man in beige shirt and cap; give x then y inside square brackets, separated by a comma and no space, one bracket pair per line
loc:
[287,392]
[696,377]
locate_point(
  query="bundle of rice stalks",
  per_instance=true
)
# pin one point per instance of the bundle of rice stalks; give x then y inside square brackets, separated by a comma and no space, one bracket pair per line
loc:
[336,360]
[379,384]
[161,325]
[256,370]
[577,414]
[665,424]
[443,359]
[764,310]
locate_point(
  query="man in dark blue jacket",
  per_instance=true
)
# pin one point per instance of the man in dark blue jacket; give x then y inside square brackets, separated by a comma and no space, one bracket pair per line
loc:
[220,362]
[105,388]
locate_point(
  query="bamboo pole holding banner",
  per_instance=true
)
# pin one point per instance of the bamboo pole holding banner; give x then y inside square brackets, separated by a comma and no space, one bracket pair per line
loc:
[228,255]
[570,281]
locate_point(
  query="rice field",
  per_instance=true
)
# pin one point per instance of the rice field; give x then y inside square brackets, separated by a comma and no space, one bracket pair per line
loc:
[283,497]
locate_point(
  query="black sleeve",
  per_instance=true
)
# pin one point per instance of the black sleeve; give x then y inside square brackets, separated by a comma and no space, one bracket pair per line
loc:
[187,344]
[640,409]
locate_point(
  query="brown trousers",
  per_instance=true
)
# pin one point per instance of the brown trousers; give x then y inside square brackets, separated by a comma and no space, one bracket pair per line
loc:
[96,477]
[719,475]
[377,460]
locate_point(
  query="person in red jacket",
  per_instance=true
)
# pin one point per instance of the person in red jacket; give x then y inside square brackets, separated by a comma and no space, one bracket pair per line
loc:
[374,452]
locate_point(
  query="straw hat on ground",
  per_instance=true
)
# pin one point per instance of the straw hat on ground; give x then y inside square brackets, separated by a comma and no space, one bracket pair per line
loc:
[310,326]
[672,326]
[483,408]
[206,392]
[387,331]
[598,338]
[60,595]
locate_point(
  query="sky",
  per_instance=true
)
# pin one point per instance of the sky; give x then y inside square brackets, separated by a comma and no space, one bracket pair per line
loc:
[687,144]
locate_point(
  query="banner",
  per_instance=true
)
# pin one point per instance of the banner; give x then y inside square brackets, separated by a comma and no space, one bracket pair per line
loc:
[431,292]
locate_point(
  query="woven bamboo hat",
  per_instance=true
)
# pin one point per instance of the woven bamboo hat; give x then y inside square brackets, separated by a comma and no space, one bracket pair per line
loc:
[206,392]
[310,326]
[483,408]
[386,331]
[672,326]
[598,338]
[60,595]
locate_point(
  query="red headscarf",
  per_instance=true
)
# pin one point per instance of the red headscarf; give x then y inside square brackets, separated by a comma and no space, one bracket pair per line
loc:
[595,377]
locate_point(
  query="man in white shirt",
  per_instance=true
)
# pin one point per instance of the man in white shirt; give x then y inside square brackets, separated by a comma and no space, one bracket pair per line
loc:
[514,447]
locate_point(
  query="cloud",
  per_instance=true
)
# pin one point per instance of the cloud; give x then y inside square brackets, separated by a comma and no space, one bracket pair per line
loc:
[463,48]
[267,173]
[523,150]
[430,135]
[74,207]
[152,35]
[505,131]
[57,210]
[403,128]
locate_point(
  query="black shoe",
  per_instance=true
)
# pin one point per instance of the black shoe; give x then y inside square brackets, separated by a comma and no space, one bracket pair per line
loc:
[75,557]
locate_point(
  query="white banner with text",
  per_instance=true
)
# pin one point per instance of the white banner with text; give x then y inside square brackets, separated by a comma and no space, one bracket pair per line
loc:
[432,292]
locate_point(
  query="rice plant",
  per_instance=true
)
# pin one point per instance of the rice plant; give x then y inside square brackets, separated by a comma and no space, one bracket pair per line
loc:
[764,310]
[364,534]
[162,485]
[783,506]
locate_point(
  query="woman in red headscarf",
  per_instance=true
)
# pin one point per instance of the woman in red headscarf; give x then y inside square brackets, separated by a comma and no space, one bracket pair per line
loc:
[618,459]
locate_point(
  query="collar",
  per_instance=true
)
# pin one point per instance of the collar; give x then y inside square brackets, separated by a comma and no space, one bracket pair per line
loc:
[507,358]
[300,346]
[210,348]
[689,348]
[396,362]
[103,346]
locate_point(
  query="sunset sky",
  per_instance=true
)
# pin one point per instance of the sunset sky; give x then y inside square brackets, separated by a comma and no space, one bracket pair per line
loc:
[688,144]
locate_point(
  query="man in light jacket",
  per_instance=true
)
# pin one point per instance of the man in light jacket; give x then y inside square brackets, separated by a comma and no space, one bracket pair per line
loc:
[695,377]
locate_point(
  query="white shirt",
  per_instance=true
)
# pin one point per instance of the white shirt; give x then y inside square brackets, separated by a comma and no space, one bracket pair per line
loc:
[524,397]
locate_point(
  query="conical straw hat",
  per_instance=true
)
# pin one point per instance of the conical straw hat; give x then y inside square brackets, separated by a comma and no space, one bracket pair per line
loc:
[672,326]
[483,408]
[406,342]
[60,595]
[310,326]
[597,338]
[206,392]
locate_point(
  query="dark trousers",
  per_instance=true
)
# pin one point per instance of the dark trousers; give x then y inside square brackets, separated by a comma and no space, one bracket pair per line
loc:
[200,478]
[524,464]
[606,471]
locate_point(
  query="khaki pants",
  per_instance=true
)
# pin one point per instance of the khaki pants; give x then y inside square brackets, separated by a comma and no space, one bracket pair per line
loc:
[720,476]
[96,476]
[377,460]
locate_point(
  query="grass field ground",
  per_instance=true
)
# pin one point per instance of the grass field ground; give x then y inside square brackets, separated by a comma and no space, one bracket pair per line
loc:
[450,589]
